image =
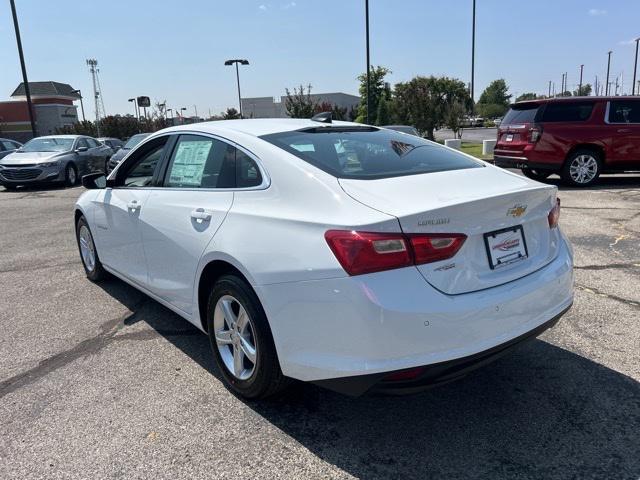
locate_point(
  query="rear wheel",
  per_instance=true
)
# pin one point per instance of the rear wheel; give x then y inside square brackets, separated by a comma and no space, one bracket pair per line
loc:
[241,340]
[582,168]
[534,174]
[88,254]
[70,175]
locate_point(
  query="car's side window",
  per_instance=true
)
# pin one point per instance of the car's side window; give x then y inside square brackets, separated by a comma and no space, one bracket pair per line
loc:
[82,143]
[9,145]
[92,143]
[247,172]
[624,111]
[141,164]
[201,162]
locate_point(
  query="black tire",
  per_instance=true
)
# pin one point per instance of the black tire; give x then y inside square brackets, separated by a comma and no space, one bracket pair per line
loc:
[267,378]
[534,174]
[70,175]
[96,272]
[10,188]
[585,156]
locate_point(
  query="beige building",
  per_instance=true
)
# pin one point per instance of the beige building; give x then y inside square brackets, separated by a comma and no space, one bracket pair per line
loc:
[270,107]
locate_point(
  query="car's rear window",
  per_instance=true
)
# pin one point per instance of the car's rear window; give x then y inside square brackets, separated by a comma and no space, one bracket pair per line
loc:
[520,114]
[567,111]
[369,153]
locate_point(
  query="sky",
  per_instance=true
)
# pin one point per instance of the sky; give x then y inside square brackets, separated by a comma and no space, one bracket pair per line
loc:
[175,51]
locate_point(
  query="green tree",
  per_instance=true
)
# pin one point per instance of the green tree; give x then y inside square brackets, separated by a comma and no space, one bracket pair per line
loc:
[453,117]
[230,114]
[494,101]
[379,88]
[383,117]
[425,102]
[526,96]
[300,104]
[586,91]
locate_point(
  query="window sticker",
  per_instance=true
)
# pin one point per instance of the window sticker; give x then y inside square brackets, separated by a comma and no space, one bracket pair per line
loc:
[189,162]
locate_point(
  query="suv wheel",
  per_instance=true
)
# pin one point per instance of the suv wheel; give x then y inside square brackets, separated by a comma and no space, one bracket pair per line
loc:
[538,175]
[241,340]
[582,168]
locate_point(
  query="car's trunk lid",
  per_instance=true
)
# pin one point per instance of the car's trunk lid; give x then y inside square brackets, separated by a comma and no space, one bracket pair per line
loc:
[473,202]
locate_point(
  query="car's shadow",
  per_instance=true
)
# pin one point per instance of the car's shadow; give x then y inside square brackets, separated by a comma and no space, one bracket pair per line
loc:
[605,182]
[541,412]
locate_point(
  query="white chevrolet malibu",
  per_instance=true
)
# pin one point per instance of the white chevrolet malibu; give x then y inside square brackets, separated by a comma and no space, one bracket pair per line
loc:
[354,257]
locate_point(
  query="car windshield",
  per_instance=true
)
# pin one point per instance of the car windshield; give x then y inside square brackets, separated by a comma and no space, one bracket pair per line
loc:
[369,153]
[48,144]
[520,114]
[136,139]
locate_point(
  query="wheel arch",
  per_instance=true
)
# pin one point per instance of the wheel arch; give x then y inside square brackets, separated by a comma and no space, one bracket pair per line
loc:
[599,149]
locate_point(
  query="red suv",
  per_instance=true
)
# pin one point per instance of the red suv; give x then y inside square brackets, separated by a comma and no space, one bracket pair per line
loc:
[577,137]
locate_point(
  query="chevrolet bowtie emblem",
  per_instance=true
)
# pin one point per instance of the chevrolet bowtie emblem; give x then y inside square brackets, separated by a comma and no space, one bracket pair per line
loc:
[517,210]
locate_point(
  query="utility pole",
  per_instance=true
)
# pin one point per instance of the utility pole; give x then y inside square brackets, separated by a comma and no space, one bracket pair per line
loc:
[27,91]
[608,68]
[473,54]
[549,95]
[635,68]
[580,84]
[93,68]
[366,13]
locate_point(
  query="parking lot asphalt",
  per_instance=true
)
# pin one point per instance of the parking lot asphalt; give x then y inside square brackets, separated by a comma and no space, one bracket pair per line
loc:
[99,381]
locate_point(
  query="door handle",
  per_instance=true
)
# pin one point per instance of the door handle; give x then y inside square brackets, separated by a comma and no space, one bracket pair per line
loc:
[624,130]
[200,215]
[133,205]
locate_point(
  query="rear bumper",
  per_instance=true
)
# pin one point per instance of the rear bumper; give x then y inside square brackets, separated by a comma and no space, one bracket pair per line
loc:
[509,161]
[389,321]
[431,375]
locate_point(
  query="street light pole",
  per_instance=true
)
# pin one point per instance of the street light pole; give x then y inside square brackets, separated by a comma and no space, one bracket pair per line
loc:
[237,61]
[549,95]
[366,14]
[580,84]
[27,91]
[635,68]
[473,54]
[81,104]
[608,68]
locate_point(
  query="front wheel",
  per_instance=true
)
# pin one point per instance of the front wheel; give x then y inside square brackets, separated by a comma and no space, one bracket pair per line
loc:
[70,175]
[538,175]
[88,254]
[241,340]
[582,168]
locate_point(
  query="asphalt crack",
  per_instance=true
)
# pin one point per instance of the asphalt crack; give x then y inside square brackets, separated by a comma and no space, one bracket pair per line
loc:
[90,346]
[600,293]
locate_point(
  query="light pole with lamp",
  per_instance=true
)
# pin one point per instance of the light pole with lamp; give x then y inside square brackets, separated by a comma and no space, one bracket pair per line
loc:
[606,85]
[237,61]
[183,109]
[81,104]
[635,68]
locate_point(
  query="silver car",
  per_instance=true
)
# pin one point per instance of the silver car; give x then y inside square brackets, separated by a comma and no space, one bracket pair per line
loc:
[54,158]
[8,146]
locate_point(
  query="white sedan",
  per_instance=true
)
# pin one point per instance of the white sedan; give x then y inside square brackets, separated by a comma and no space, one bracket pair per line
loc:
[350,256]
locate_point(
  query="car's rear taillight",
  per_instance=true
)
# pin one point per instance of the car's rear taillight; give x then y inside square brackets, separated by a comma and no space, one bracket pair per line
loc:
[435,246]
[535,133]
[554,215]
[368,252]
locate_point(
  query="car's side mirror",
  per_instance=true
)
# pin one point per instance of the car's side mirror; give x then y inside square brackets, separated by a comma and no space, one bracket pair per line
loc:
[93,181]
[82,149]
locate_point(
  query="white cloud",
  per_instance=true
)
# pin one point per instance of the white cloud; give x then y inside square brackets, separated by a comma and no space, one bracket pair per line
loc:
[262,7]
[289,5]
[627,42]
[596,12]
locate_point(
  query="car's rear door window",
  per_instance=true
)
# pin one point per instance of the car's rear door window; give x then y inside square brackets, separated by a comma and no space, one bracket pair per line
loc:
[567,111]
[368,153]
[518,114]
[624,111]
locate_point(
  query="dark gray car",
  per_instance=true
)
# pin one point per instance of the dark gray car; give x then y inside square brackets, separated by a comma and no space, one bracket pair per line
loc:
[54,158]
[114,143]
[120,154]
[8,146]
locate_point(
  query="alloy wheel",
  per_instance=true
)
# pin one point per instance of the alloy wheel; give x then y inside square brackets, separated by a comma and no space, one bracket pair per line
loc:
[87,249]
[583,168]
[235,337]
[72,176]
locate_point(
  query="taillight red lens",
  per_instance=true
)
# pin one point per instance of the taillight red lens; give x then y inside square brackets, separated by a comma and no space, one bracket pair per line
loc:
[365,252]
[535,133]
[368,252]
[435,246]
[554,215]
[409,374]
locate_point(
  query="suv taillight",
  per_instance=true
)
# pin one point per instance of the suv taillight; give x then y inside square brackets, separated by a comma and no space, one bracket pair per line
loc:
[535,133]
[367,252]
[554,215]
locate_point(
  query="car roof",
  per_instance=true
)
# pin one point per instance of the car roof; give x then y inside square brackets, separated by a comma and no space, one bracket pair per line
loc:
[593,98]
[256,126]
[62,136]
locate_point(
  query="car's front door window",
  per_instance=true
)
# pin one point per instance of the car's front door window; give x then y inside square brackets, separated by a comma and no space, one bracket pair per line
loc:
[141,173]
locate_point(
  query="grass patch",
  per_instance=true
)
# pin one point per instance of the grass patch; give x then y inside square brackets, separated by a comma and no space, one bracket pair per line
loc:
[475,149]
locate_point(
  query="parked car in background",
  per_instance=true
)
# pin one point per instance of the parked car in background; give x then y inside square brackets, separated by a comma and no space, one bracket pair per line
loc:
[114,143]
[120,154]
[54,158]
[578,138]
[408,265]
[497,121]
[8,146]
[404,129]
